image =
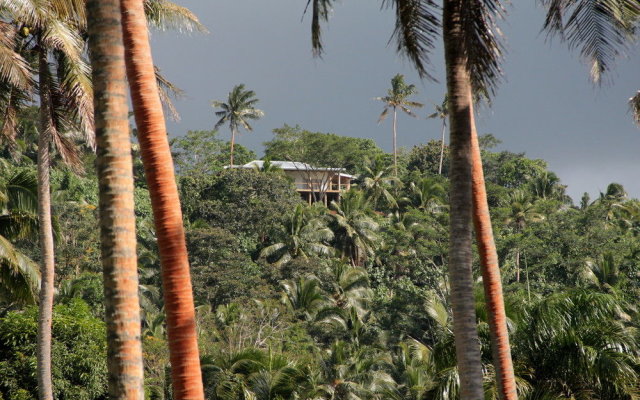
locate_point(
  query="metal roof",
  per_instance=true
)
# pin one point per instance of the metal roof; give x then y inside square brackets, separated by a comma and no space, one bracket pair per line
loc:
[291,166]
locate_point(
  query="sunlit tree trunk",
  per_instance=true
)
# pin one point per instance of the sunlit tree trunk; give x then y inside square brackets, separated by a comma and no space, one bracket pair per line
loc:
[491,279]
[47,262]
[460,257]
[159,172]
[117,218]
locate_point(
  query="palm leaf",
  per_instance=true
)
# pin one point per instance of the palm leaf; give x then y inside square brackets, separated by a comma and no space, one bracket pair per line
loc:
[165,15]
[600,29]
[481,37]
[416,29]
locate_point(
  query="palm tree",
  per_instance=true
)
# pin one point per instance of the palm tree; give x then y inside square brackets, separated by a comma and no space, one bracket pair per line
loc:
[305,296]
[237,111]
[159,173]
[304,236]
[117,219]
[521,211]
[54,37]
[442,112]
[472,57]
[376,183]
[397,97]
[426,195]
[355,231]
[579,346]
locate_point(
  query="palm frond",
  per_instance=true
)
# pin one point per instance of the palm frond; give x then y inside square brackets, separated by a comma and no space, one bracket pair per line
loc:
[319,13]
[634,106]
[14,69]
[76,90]
[416,30]
[168,90]
[481,36]
[600,29]
[165,15]
[60,36]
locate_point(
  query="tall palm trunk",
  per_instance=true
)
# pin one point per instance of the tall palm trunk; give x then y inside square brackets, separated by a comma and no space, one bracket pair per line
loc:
[491,278]
[395,152]
[233,141]
[460,257]
[444,127]
[117,218]
[47,263]
[159,172]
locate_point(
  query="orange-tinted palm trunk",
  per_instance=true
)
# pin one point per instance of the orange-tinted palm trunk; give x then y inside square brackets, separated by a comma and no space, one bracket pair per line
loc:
[491,278]
[159,172]
[117,218]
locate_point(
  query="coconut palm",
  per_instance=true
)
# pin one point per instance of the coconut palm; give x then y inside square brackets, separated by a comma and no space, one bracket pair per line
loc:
[354,230]
[579,347]
[472,57]
[159,174]
[376,183]
[237,112]
[53,36]
[117,220]
[427,195]
[19,275]
[398,97]
[305,296]
[442,112]
[304,235]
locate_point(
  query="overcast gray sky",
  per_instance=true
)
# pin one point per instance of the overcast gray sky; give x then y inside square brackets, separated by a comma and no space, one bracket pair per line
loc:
[546,107]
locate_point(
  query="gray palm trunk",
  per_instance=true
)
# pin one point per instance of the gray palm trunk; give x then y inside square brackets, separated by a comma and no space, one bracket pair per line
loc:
[395,152]
[233,141]
[460,256]
[47,263]
[444,127]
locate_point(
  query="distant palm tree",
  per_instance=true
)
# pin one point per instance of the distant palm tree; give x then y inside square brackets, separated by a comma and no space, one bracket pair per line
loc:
[305,296]
[397,97]
[582,328]
[355,231]
[427,195]
[304,236]
[237,112]
[442,112]
[377,183]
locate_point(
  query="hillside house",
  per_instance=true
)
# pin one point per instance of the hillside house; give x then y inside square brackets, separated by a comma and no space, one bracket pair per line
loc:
[313,183]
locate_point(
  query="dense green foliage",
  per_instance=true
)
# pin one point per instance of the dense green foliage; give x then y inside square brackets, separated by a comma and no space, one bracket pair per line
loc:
[348,301]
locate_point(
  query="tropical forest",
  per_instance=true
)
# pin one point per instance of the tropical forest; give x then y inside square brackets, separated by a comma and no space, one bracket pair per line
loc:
[138,263]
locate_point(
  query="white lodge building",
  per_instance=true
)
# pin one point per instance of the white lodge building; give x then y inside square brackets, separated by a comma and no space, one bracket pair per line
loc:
[313,183]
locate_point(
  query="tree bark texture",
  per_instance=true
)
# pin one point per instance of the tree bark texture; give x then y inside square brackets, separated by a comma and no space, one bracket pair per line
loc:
[159,172]
[47,262]
[460,256]
[117,218]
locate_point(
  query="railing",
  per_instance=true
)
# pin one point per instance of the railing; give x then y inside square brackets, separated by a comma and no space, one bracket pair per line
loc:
[320,187]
